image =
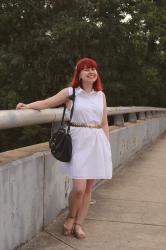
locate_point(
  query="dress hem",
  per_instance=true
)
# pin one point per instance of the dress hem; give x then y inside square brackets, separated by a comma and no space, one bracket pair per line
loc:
[87,178]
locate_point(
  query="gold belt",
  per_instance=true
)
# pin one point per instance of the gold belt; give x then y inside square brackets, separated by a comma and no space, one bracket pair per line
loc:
[85,125]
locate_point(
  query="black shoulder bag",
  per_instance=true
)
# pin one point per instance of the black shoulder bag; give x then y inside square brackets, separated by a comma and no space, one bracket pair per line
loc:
[60,142]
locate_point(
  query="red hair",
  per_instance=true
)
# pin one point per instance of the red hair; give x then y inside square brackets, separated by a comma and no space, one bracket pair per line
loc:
[81,64]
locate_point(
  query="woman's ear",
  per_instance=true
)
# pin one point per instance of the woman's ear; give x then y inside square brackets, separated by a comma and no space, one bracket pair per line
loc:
[80,81]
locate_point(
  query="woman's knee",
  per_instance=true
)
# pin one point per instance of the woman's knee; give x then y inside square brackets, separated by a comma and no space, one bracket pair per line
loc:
[89,187]
[88,190]
[79,192]
[79,188]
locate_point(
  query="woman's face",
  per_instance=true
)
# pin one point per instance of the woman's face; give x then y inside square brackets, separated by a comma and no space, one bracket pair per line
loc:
[88,75]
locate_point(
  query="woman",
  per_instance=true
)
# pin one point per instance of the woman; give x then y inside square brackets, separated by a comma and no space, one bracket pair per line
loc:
[91,157]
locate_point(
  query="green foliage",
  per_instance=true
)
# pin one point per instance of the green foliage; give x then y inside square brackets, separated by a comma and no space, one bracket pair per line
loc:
[40,41]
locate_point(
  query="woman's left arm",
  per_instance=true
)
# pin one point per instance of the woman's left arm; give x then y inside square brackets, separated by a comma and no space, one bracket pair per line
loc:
[104,124]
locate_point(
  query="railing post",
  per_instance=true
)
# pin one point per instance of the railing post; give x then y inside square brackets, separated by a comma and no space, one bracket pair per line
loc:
[119,120]
[132,117]
[141,116]
[157,113]
[154,114]
[162,113]
[148,114]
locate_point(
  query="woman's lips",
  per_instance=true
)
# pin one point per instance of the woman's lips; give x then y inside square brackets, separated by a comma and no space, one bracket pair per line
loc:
[91,76]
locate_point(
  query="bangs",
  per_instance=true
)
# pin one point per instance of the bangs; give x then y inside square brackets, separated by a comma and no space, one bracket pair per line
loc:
[86,63]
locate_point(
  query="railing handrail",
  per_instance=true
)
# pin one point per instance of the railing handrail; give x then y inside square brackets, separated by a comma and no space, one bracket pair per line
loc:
[21,118]
[132,109]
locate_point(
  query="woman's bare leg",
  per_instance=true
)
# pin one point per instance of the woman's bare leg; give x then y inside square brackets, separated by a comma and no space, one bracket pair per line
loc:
[75,201]
[83,208]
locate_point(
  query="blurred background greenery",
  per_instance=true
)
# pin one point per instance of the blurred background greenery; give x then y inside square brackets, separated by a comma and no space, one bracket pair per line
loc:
[40,42]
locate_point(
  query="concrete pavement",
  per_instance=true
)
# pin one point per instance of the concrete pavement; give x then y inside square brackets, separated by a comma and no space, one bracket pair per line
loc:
[129,213]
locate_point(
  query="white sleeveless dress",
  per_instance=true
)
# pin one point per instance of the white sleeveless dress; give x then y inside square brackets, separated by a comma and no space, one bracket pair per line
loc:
[91,156]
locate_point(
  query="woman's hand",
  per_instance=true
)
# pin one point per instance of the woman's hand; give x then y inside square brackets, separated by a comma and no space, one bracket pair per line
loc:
[21,105]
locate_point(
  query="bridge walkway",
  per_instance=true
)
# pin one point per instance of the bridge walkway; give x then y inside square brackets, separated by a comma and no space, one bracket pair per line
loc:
[129,213]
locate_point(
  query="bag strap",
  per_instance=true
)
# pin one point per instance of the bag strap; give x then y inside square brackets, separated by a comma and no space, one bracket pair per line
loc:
[71,113]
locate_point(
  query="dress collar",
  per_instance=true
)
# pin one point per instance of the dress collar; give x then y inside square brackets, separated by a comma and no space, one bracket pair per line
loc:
[82,90]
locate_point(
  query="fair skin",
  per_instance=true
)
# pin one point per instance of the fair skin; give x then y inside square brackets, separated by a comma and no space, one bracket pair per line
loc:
[80,196]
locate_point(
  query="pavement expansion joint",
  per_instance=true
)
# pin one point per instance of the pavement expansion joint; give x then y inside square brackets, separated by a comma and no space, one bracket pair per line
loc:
[127,222]
[59,239]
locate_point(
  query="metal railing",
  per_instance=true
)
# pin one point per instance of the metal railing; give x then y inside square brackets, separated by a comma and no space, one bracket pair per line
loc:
[119,115]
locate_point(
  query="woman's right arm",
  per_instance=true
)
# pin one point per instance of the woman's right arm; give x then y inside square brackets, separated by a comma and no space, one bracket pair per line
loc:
[56,100]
